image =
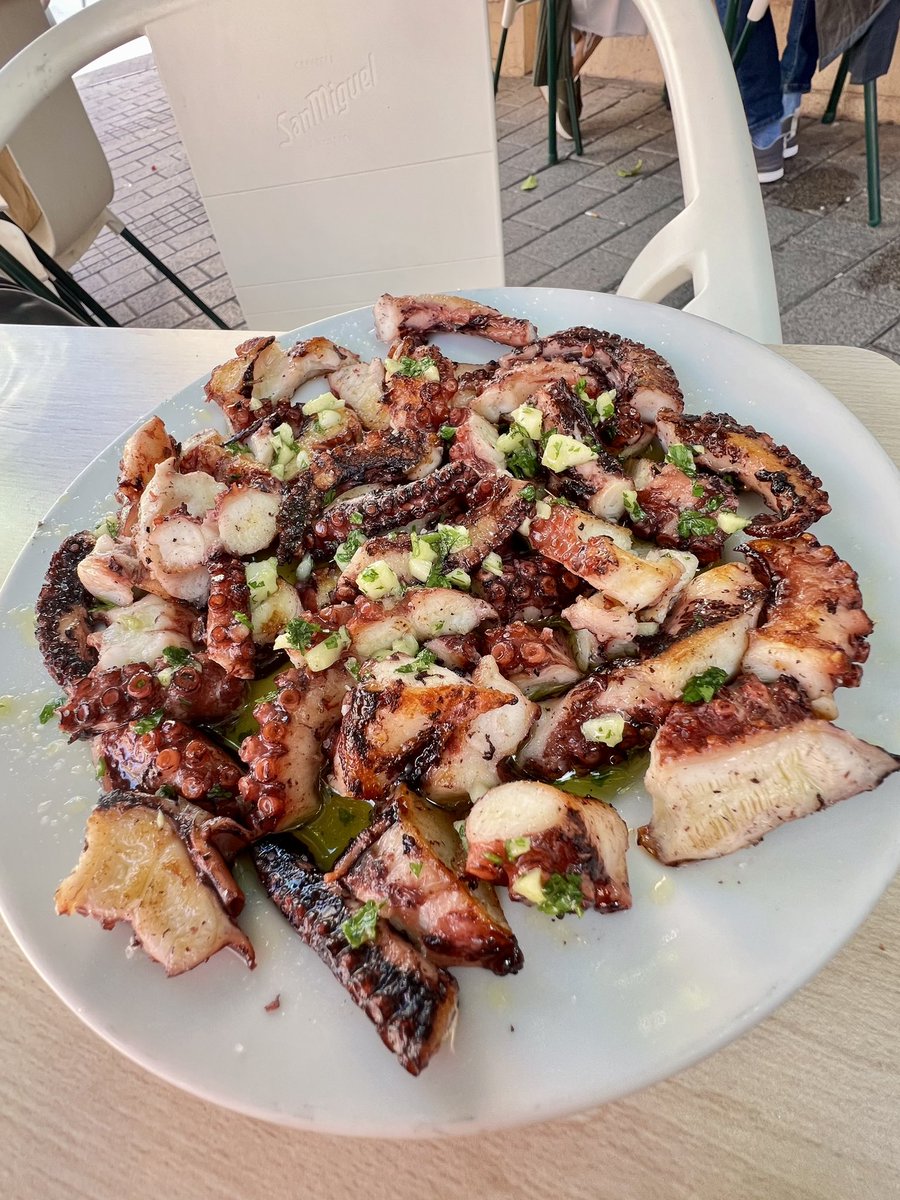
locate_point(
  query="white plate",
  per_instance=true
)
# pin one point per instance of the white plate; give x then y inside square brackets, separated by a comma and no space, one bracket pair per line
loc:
[604,1005]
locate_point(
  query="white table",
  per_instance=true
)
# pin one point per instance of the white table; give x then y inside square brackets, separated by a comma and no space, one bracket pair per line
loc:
[805,1107]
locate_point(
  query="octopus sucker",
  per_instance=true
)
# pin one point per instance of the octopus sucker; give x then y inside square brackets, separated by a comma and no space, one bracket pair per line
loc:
[786,485]
[410,1001]
[62,623]
[155,864]
[725,773]
[229,640]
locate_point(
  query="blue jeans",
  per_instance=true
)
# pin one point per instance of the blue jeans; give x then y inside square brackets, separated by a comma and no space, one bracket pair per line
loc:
[762,78]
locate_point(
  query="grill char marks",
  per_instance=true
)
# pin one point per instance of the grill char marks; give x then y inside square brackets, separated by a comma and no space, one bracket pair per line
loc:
[61,614]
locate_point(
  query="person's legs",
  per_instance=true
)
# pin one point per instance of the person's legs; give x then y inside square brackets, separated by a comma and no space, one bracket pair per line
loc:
[801,53]
[759,78]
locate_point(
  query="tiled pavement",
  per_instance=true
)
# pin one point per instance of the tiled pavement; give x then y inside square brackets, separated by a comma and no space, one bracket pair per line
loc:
[838,280]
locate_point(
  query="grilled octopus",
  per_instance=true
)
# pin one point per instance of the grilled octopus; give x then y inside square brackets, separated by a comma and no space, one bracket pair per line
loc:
[398,315]
[62,624]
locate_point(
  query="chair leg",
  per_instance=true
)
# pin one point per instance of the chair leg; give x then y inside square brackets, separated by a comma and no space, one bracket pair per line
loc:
[873,164]
[82,302]
[500,49]
[550,10]
[743,42]
[730,24]
[124,232]
[839,80]
[573,115]
[20,274]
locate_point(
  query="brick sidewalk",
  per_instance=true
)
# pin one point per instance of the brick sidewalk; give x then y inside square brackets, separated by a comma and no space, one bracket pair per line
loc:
[838,280]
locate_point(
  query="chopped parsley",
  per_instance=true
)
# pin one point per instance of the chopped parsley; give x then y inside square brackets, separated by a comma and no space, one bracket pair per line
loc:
[362,926]
[521,461]
[242,618]
[333,642]
[682,457]
[217,792]
[49,710]
[177,656]
[581,388]
[416,868]
[101,768]
[112,526]
[694,524]
[632,507]
[603,407]
[697,490]
[423,660]
[562,894]
[328,498]
[167,792]
[348,548]
[238,448]
[356,518]
[299,633]
[491,857]
[713,503]
[448,432]
[352,666]
[414,368]
[700,689]
[149,723]
[529,493]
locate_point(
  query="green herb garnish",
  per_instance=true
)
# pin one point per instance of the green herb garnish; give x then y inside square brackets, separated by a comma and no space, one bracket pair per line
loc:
[491,857]
[522,462]
[632,507]
[243,619]
[362,926]
[423,660]
[516,847]
[694,524]
[49,710]
[682,457]
[529,493]
[416,868]
[299,633]
[356,518]
[149,723]
[176,656]
[448,432]
[700,689]
[348,548]
[562,894]
[414,368]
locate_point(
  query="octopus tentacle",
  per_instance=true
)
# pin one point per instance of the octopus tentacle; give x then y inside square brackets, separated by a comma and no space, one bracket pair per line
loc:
[229,641]
[537,660]
[528,588]
[421,499]
[172,756]
[61,614]
[787,486]
[285,756]
[396,315]
[199,691]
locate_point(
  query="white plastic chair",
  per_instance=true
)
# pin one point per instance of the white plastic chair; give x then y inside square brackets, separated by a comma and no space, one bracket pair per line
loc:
[720,239]
[340,149]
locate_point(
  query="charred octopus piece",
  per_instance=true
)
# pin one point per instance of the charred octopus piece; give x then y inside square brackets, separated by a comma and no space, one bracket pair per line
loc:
[62,624]
[522,834]
[410,1001]
[285,756]
[198,691]
[815,627]
[229,641]
[725,773]
[159,865]
[442,492]
[787,486]
[396,315]
[527,589]
[174,757]
[410,864]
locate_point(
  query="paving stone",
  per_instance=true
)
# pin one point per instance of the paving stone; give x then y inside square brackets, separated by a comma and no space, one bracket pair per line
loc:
[632,240]
[231,314]
[217,291]
[890,340]
[596,270]
[514,200]
[680,296]
[522,268]
[574,238]
[783,223]
[878,275]
[552,179]
[555,210]
[516,235]
[798,273]
[126,287]
[835,315]
[168,316]
[153,297]
[644,197]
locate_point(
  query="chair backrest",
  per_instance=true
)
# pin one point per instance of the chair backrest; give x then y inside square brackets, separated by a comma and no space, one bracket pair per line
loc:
[339,153]
[56,150]
[720,239]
